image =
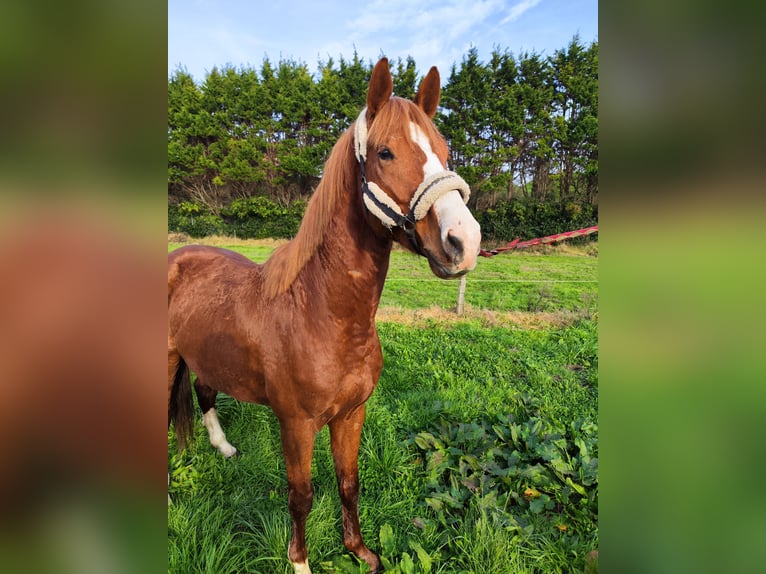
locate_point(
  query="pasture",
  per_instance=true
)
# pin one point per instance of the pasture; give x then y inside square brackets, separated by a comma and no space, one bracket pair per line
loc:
[479,451]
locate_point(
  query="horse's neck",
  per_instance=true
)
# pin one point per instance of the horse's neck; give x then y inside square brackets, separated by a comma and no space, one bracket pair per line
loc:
[351,263]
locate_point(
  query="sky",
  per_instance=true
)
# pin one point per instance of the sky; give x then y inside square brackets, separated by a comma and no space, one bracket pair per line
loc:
[203,34]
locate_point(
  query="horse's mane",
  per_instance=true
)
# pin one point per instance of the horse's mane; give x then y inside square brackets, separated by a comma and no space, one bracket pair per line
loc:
[286,262]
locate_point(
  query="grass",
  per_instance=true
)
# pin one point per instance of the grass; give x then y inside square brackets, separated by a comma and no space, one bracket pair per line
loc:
[444,506]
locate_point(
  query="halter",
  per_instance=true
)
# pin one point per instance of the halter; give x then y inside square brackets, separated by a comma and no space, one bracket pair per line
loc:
[380,204]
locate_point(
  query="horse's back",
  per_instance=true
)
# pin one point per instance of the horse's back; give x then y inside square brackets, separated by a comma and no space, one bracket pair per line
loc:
[201,263]
[207,284]
[205,254]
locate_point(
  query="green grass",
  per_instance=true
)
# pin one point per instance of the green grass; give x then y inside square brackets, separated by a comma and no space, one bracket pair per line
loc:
[520,281]
[444,506]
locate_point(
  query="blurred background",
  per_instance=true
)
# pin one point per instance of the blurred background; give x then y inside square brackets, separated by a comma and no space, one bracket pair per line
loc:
[682,393]
[82,312]
[83,185]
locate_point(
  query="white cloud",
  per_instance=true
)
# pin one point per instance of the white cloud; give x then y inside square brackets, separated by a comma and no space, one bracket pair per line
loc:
[399,17]
[433,34]
[518,9]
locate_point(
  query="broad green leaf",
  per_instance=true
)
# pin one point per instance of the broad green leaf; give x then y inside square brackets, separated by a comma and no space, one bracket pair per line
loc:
[579,489]
[407,565]
[387,541]
[425,440]
[536,505]
[423,556]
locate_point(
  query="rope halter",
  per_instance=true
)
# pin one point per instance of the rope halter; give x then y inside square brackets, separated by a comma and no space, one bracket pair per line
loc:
[382,206]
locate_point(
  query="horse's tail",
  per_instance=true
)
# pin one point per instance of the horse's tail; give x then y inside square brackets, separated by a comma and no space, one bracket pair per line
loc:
[181,407]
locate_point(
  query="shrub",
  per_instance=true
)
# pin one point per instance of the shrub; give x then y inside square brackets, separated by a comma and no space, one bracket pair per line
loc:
[249,218]
[193,219]
[525,219]
[260,217]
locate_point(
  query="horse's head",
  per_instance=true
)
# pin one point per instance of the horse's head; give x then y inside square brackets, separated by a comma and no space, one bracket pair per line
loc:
[407,187]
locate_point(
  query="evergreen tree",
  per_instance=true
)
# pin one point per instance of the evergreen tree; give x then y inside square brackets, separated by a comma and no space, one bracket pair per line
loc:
[405,77]
[519,127]
[575,126]
[465,120]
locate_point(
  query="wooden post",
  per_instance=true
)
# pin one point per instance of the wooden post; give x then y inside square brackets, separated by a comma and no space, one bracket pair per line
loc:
[461,297]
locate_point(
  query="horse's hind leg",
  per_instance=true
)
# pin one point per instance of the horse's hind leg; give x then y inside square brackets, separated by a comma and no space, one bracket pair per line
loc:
[206,398]
[345,434]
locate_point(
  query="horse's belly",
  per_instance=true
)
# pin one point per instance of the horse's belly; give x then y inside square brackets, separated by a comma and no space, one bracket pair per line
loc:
[249,389]
[228,367]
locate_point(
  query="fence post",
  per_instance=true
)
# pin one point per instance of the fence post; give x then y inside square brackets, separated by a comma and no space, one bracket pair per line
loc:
[461,296]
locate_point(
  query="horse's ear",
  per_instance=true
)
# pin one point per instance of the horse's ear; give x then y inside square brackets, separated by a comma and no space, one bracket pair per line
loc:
[381,87]
[428,92]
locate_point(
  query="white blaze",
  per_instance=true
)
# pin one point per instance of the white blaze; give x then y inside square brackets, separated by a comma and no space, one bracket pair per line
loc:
[432,165]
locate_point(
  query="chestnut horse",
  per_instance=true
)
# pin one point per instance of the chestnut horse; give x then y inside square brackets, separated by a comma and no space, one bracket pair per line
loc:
[298,333]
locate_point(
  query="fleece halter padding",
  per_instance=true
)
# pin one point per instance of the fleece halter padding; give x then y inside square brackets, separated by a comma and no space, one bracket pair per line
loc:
[382,206]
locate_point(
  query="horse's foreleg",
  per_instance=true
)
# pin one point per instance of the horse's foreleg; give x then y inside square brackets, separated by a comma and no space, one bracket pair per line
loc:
[206,398]
[298,447]
[345,434]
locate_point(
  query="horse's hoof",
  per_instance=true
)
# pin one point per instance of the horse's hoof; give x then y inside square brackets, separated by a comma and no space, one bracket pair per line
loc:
[375,564]
[228,451]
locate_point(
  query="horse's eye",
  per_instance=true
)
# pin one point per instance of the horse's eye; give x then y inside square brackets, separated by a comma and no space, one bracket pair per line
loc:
[385,154]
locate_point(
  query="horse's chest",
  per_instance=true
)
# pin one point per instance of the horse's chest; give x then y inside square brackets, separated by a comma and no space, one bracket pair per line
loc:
[324,380]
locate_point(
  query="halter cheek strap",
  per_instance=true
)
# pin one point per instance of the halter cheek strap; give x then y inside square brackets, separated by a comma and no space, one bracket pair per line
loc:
[385,209]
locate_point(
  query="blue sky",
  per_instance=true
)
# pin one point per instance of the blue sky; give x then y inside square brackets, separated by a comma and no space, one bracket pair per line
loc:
[207,33]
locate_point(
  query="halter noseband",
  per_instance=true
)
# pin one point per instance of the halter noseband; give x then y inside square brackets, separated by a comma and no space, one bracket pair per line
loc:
[380,204]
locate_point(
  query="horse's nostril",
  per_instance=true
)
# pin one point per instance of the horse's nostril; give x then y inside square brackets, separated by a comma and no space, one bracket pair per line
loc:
[457,245]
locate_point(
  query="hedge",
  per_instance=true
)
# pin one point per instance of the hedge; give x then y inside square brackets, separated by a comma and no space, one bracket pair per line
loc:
[260,217]
[509,220]
[251,218]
